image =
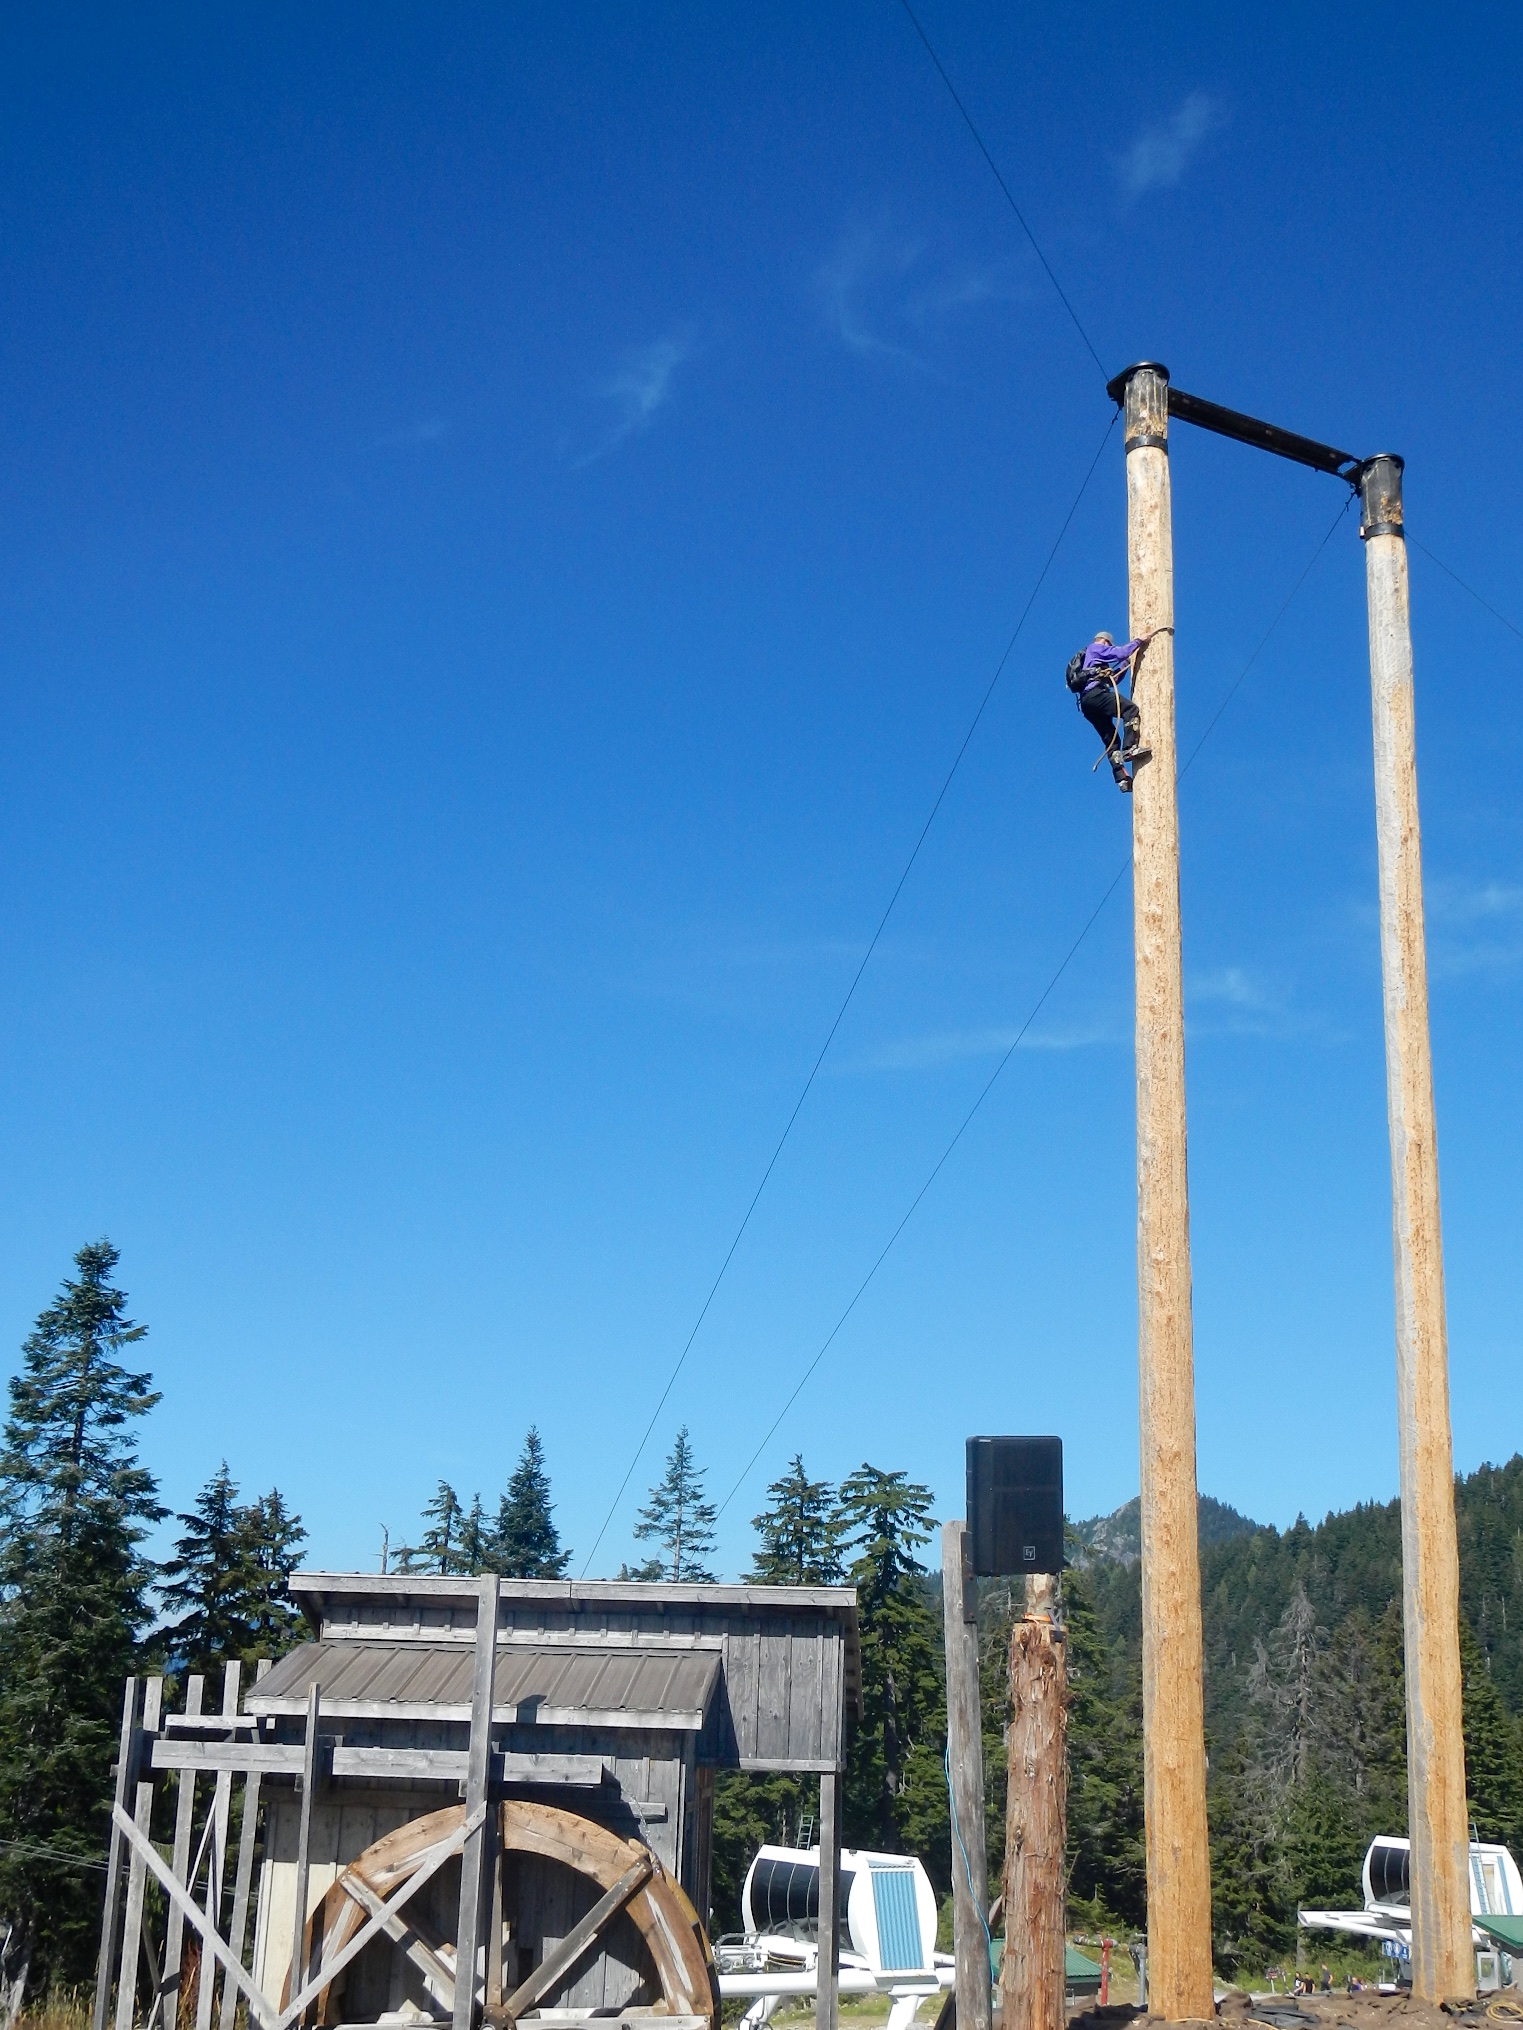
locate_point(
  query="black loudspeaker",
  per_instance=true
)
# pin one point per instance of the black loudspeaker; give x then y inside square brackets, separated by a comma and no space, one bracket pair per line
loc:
[1015,1505]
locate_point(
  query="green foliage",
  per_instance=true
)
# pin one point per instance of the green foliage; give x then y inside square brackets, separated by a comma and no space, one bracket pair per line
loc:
[526,1543]
[75,1504]
[800,1533]
[1305,1714]
[895,1790]
[228,1579]
[678,1518]
[1107,1857]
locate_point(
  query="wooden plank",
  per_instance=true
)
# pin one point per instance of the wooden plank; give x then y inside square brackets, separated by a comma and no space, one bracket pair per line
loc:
[217,1861]
[144,1851]
[478,1771]
[273,1758]
[142,1813]
[557,1963]
[828,1958]
[185,1816]
[774,1657]
[238,1924]
[496,1943]
[304,1842]
[125,1775]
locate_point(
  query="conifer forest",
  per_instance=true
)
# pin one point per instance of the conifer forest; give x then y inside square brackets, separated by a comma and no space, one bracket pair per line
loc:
[1304,1695]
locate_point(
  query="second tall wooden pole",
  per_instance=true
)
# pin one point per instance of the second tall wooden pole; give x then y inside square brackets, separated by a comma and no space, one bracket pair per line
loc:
[1178,1857]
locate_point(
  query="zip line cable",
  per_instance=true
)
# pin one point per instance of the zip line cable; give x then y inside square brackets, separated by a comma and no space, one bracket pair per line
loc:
[1518,631]
[856,978]
[1037,1007]
[1009,197]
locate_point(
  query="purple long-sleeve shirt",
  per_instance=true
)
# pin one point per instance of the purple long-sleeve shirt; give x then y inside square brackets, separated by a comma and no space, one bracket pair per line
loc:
[1100,659]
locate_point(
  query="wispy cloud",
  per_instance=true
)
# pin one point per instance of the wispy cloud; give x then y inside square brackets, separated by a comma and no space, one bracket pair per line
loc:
[1231,987]
[1475,927]
[637,391]
[1160,155]
[431,430]
[959,1046]
[884,295]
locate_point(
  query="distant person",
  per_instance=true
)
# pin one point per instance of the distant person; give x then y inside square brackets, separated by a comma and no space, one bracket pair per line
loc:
[1096,675]
[1327,1979]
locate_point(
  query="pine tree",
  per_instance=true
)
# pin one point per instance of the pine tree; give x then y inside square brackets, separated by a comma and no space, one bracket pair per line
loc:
[526,1543]
[271,1537]
[75,1505]
[207,1582]
[1107,1862]
[800,1533]
[438,1549]
[894,1789]
[678,1518]
[475,1540]
[229,1577]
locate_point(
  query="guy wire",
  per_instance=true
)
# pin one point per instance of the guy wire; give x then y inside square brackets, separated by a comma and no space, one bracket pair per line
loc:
[851,990]
[1036,1009]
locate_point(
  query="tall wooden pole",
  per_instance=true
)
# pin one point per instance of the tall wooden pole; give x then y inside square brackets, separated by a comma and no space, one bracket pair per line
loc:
[1174,1754]
[1442,1961]
[827,1961]
[965,1773]
[1032,1974]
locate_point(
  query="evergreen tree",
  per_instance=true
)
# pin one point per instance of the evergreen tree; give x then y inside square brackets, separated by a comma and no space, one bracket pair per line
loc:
[1493,1750]
[895,1792]
[438,1549]
[678,1518]
[1107,1857]
[800,1533]
[270,1537]
[75,1505]
[526,1543]
[229,1579]
[206,1582]
[475,1541]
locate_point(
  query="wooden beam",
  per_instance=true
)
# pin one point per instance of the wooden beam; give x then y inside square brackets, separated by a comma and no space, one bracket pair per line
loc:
[145,1852]
[216,1870]
[827,1963]
[965,1775]
[125,1775]
[185,1815]
[304,1841]
[237,1929]
[558,1962]
[478,1770]
[142,1814]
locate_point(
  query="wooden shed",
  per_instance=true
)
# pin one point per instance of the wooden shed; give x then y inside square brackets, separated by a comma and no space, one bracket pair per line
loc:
[523,1766]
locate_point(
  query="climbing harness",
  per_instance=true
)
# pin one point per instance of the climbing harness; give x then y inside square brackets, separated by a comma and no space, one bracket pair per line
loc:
[1115,749]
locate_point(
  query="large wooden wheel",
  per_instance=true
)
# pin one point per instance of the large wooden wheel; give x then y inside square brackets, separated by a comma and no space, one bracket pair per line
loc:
[632,1879]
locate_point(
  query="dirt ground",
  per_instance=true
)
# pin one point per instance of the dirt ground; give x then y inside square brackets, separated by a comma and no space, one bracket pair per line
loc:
[1337,2011]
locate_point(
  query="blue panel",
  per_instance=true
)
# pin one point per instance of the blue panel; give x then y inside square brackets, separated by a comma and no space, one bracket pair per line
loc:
[899,1947]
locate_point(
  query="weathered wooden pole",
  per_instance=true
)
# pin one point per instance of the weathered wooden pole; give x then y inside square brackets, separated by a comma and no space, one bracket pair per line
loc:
[475,1899]
[1036,1820]
[1443,1963]
[827,1960]
[1174,1752]
[965,1770]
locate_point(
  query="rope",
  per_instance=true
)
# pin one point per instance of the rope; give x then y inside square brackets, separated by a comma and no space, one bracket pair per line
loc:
[967,1866]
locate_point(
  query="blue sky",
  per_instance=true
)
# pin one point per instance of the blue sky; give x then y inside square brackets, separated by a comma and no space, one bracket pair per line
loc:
[507,516]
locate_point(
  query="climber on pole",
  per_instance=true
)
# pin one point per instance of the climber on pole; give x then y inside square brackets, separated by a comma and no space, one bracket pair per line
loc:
[1095,675]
